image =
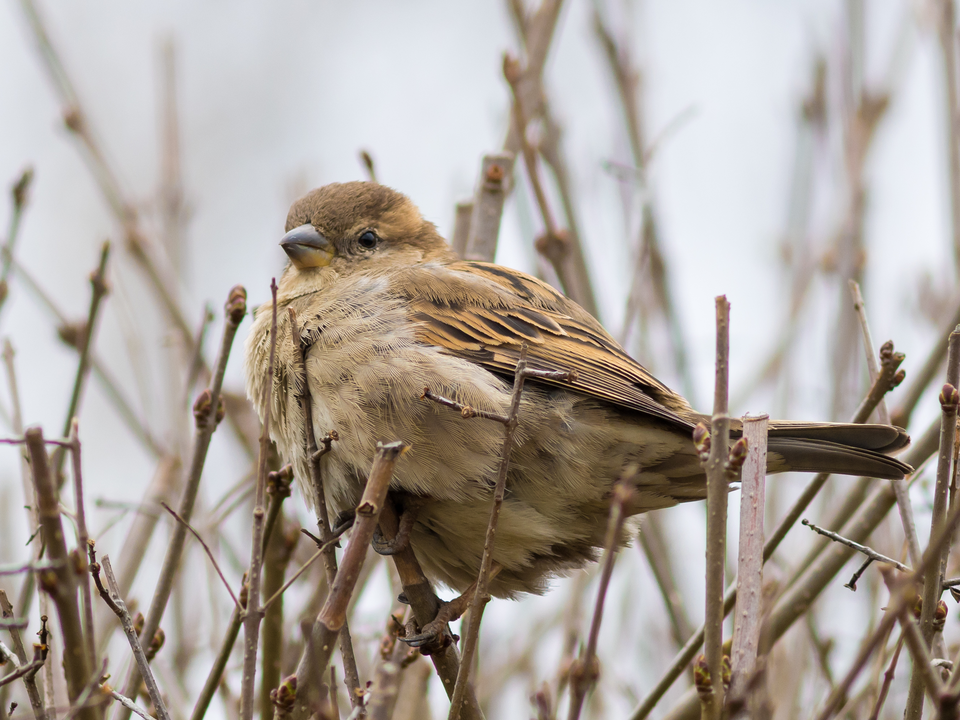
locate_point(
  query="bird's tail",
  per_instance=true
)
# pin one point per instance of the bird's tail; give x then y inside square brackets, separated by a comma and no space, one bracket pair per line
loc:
[841,448]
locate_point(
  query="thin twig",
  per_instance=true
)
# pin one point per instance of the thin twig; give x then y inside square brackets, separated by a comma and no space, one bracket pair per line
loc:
[126,622]
[899,485]
[915,645]
[480,596]
[586,670]
[863,549]
[718,487]
[98,283]
[127,703]
[887,680]
[82,538]
[213,560]
[207,416]
[23,670]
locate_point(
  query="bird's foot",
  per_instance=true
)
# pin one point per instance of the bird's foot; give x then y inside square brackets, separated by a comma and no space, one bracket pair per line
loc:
[435,635]
[343,522]
[383,546]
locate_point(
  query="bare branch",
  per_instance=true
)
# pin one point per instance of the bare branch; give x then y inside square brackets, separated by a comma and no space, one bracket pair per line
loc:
[746,632]
[126,622]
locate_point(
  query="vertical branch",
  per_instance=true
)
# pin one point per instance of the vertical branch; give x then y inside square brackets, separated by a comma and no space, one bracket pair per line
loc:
[933,579]
[98,283]
[254,613]
[554,243]
[333,615]
[480,596]
[918,454]
[425,604]
[461,226]
[30,680]
[307,674]
[496,172]
[279,549]
[19,194]
[651,263]
[746,632]
[946,32]
[60,579]
[207,412]
[718,487]
[899,486]
[82,539]
[586,669]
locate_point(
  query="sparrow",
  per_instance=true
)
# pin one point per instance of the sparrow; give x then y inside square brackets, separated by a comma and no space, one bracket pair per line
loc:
[385,309]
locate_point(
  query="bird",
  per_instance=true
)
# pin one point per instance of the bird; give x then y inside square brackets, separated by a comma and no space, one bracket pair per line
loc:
[384,309]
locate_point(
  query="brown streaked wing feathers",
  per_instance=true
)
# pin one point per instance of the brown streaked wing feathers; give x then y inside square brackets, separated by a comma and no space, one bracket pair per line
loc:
[489,328]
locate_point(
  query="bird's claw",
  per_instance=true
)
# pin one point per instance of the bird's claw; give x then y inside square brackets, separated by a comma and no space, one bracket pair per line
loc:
[432,638]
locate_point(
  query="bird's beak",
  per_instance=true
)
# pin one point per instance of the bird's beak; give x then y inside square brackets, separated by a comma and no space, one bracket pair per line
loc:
[307,248]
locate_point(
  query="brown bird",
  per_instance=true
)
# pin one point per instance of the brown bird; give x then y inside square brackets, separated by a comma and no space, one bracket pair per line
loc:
[386,308]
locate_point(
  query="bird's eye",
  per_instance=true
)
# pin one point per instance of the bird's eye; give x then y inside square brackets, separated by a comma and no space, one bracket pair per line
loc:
[368,240]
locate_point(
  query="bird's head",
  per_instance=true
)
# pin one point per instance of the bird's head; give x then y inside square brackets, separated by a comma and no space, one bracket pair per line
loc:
[354,225]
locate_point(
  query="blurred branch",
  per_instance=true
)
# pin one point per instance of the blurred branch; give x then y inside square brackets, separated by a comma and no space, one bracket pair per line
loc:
[933,578]
[34,693]
[19,194]
[655,546]
[900,485]
[496,172]
[461,226]
[98,283]
[586,669]
[139,247]
[946,33]
[651,264]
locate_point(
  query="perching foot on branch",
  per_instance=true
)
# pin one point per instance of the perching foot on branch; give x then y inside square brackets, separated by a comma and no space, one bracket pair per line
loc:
[433,636]
[411,508]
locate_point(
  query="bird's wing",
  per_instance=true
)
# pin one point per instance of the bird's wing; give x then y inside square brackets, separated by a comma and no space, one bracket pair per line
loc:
[485,313]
